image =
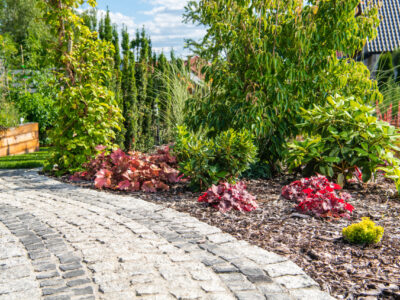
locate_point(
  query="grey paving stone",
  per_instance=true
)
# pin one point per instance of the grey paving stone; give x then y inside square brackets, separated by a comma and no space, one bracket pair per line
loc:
[270,288]
[310,293]
[147,290]
[58,297]
[52,291]
[255,275]
[51,282]
[282,296]
[212,287]
[83,291]
[45,267]
[73,274]
[68,258]
[224,268]
[283,268]
[220,238]
[36,254]
[246,295]
[47,275]
[186,294]
[70,267]
[296,282]
[77,282]
[34,246]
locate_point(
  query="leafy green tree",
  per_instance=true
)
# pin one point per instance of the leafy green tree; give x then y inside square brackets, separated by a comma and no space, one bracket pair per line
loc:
[88,112]
[269,58]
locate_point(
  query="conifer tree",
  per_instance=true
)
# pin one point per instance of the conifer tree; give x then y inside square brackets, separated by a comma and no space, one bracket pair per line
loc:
[108,29]
[101,29]
[129,95]
[142,85]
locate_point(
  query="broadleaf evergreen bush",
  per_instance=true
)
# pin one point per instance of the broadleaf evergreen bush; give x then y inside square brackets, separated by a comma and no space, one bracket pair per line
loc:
[208,161]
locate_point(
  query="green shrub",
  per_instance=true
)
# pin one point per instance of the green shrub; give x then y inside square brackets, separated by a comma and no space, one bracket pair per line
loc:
[269,58]
[39,106]
[342,134]
[364,232]
[209,161]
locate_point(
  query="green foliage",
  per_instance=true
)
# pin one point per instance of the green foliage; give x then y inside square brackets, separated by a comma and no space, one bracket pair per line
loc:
[9,114]
[23,21]
[173,87]
[209,161]
[89,17]
[257,170]
[385,69]
[364,232]
[343,134]
[88,112]
[39,106]
[269,58]
[25,161]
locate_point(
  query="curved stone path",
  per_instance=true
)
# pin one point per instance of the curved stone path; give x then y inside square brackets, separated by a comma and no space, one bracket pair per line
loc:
[63,242]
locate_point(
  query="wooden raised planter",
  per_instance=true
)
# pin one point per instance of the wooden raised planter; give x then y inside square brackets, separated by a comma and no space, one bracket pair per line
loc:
[19,140]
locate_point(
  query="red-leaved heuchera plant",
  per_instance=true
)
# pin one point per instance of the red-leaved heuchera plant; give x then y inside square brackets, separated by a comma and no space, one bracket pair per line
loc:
[131,172]
[226,196]
[318,196]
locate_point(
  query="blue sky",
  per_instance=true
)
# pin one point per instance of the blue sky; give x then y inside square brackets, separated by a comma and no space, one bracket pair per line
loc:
[161,18]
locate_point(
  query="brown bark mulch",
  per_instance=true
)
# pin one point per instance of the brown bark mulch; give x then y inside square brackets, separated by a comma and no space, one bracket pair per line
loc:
[344,270]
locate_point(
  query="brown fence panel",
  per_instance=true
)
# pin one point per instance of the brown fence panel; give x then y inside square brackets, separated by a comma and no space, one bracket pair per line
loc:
[19,140]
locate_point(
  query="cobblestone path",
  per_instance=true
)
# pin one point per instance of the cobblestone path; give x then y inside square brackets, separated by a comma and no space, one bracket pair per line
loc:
[63,242]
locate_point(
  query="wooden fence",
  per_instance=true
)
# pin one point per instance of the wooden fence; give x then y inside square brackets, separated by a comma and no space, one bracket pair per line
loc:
[19,140]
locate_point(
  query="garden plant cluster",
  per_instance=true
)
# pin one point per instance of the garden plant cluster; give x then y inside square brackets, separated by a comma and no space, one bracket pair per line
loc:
[268,99]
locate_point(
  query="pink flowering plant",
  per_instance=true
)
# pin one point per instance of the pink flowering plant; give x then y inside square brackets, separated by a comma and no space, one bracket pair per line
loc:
[318,196]
[226,196]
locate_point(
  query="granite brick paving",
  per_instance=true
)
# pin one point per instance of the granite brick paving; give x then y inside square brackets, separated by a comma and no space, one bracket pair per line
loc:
[60,241]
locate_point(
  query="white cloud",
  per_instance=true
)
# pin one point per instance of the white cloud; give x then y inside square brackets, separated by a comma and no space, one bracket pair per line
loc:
[118,19]
[171,4]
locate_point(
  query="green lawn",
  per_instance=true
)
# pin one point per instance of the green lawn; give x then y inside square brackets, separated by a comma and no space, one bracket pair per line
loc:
[25,161]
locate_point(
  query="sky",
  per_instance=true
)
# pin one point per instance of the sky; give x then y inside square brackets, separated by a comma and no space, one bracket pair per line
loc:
[162,20]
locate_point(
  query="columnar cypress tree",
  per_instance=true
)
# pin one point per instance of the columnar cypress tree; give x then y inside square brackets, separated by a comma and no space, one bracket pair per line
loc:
[108,29]
[101,29]
[163,70]
[142,78]
[129,95]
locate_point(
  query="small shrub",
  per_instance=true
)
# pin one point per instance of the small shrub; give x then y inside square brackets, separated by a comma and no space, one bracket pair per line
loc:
[226,196]
[342,135]
[133,172]
[318,196]
[39,106]
[209,161]
[364,232]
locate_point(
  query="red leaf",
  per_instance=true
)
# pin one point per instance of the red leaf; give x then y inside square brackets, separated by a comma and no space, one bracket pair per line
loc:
[103,179]
[148,186]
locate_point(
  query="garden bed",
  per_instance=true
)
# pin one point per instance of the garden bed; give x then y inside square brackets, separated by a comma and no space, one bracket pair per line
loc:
[345,271]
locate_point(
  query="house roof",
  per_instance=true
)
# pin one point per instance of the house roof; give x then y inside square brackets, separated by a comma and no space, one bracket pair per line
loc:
[388,38]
